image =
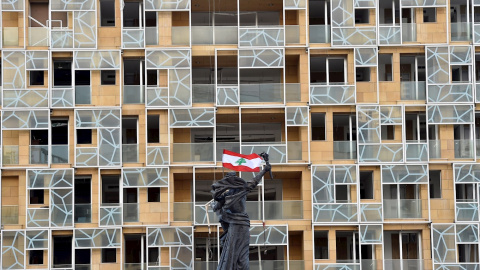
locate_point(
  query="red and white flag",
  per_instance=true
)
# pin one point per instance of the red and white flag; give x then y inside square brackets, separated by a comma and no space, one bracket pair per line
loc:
[241,163]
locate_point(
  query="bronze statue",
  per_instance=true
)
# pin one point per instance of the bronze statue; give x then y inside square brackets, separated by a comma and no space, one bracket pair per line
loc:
[230,196]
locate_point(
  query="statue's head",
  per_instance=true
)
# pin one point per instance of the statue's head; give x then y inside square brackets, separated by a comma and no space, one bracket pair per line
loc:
[231,174]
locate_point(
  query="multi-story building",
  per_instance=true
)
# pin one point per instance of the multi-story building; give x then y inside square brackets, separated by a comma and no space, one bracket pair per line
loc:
[114,116]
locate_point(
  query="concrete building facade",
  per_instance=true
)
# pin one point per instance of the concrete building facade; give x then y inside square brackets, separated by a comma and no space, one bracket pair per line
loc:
[115,114]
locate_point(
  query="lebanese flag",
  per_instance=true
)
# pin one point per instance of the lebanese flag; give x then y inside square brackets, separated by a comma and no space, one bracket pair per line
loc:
[241,163]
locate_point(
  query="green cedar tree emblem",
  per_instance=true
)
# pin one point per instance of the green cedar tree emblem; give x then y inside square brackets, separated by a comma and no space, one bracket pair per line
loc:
[240,161]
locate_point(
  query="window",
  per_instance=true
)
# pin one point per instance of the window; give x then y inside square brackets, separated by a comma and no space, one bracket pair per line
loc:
[83,199]
[82,87]
[435,182]
[347,246]
[37,196]
[36,257]
[342,193]
[62,251]
[429,14]
[362,74]
[109,255]
[108,77]
[327,70]
[344,136]
[153,128]
[154,194]
[129,139]
[366,185]
[318,127]
[84,136]
[36,77]
[321,245]
[111,189]
[107,13]
[362,15]
[385,70]
[82,256]
[388,132]
[62,73]
[152,78]
[468,253]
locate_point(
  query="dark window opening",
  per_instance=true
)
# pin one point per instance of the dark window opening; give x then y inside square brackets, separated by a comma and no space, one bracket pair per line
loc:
[321,245]
[111,189]
[131,14]
[39,137]
[82,87]
[152,78]
[435,184]
[153,128]
[37,196]
[388,132]
[347,247]
[84,136]
[37,77]
[62,73]
[62,251]
[342,193]
[109,255]
[108,77]
[366,185]
[83,200]
[133,248]
[59,132]
[129,130]
[154,194]
[429,14]
[35,257]
[362,74]
[362,15]
[107,13]
[318,127]
[385,67]
[82,256]
[154,254]
[468,253]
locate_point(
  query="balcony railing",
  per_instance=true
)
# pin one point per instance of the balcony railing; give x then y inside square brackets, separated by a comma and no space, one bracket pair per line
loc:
[466,210]
[405,264]
[83,267]
[38,154]
[133,94]
[461,31]
[275,210]
[292,92]
[344,149]
[402,208]
[133,38]
[409,32]
[203,93]
[130,212]
[463,148]
[478,148]
[416,151]
[83,94]
[181,35]
[135,266]
[183,211]
[10,155]
[294,150]
[83,213]
[267,92]
[10,36]
[209,35]
[60,153]
[9,214]
[254,265]
[319,33]
[130,153]
[412,90]
[292,34]
[151,36]
[38,36]
[434,150]
[192,152]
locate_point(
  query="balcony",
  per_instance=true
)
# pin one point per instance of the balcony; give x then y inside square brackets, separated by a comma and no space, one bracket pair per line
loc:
[323,94]
[133,94]
[203,93]
[192,152]
[83,213]
[335,212]
[279,210]
[434,150]
[319,33]
[60,154]
[461,31]
[61,38]
[253,209]
[405,264]
[412,90]
[295,151]
[345,150]
[38,154]
[130,153]
[463,148]
[130,212]
[389,34]
[133,38]
[267,92]
[210,35]
[403,208]
[416,151]
[262,37]
[110,214]
[181,35]
[9,214]
[183,211]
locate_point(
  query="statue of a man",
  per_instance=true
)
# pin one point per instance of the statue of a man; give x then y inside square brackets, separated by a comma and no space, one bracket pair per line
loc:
[230,196]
